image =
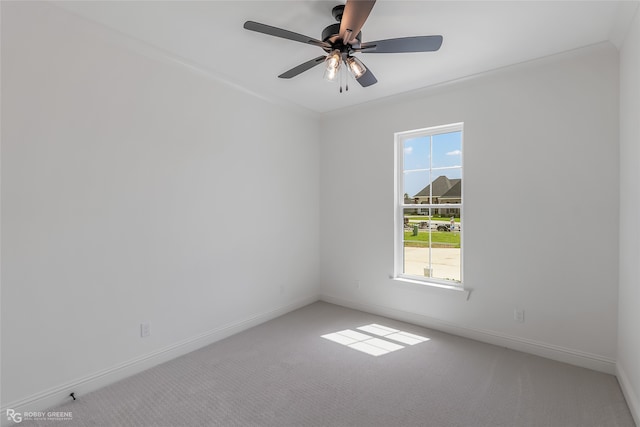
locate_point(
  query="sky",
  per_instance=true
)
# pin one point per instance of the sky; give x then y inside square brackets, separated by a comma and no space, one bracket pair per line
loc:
[446,149]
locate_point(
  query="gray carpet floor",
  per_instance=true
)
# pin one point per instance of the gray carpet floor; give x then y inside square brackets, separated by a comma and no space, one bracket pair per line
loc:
[285,373]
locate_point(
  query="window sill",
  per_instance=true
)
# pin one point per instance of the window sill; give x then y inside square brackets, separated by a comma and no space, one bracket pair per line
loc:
[433,285]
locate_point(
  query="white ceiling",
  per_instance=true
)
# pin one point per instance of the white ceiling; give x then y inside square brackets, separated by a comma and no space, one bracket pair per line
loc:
[478,36]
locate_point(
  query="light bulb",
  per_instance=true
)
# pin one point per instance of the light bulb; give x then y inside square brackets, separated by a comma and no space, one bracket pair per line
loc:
[333,61]
[356,67]
[332,64]
[330,74]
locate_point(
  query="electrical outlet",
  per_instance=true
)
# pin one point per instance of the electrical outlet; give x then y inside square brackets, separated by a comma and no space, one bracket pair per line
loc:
[145,329]
[518,315]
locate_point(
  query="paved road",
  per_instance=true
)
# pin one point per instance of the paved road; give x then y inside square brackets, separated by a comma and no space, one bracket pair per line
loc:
[444,261]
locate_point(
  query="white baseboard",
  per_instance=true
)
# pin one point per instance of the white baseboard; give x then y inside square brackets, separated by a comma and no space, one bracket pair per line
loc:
[60,394]
[549,351]
[629,394]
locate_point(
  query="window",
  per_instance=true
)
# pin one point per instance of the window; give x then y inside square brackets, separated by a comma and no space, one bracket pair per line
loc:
[428,205]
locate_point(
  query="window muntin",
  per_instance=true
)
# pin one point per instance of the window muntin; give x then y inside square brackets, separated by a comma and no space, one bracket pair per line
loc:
[428,244]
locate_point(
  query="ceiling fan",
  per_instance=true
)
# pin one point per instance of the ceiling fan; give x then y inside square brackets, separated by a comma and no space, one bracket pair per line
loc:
[342,40]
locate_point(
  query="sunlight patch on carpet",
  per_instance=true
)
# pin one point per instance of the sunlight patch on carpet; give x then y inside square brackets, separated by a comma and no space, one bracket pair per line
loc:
[373,344]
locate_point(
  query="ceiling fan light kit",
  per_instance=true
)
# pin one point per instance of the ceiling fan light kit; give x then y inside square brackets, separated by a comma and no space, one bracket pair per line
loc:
[356,67]
[332,65]
[343,40]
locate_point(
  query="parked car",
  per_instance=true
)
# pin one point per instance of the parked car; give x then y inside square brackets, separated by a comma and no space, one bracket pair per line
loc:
[435,225]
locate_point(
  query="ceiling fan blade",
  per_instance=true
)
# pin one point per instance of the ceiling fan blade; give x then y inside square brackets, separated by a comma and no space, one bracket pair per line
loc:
[302,67]
[285,34]
[403,44]
[354,16]
[367,79]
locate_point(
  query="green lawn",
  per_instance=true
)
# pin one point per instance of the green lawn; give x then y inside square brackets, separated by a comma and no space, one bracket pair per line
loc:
[438,238]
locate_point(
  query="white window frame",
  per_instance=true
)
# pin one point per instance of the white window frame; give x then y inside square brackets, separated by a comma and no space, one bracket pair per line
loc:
[400,206]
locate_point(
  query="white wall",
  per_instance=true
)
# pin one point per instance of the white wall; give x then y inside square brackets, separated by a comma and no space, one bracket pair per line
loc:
[135,189]
[629,305]
[124,175]
[541,206]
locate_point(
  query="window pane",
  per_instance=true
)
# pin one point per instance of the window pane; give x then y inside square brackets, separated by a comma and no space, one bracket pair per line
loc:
[416,163]
[414,185]
[416,153]
[446,188]
[447,150]
[416,242]
[431,247]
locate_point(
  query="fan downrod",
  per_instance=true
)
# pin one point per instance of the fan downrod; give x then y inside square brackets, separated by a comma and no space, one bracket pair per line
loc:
[337,12]
[331,33]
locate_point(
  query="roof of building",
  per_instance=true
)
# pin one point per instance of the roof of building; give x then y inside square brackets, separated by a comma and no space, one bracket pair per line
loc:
[454,192]
[441,186]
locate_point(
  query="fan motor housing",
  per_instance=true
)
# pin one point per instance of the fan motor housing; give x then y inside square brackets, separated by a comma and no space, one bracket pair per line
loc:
[332,32]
